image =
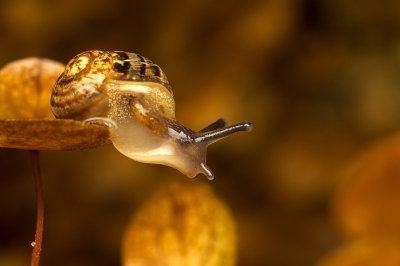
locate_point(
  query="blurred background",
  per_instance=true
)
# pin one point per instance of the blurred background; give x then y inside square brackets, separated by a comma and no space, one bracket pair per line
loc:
[318,79]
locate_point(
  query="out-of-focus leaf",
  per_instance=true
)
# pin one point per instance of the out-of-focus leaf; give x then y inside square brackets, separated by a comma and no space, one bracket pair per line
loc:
[182,224]
[363,254]
[366,203]
[25,88]
[26,120]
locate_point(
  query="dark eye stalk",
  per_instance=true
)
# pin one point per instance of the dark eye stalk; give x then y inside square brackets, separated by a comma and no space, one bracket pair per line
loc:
[217,131]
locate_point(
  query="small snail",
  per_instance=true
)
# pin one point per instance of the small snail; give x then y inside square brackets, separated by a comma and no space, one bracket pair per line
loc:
[131,95]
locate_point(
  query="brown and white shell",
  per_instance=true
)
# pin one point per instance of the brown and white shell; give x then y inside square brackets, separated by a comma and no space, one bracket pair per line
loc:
[79,91]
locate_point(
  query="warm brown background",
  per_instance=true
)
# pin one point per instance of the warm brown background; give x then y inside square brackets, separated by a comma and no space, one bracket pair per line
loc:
[319,80]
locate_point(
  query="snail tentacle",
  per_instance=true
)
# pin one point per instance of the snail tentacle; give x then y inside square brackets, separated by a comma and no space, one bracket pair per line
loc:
[220,123]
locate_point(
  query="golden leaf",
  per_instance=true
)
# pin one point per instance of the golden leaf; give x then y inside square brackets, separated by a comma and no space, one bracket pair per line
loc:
[25,88]
[181,224]
[363,253]
[51,134]
[366,201]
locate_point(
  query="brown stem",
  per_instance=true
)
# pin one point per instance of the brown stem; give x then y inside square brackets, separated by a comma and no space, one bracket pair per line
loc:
[37,245]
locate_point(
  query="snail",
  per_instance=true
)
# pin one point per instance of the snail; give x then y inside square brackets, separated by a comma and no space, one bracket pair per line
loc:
[131,95]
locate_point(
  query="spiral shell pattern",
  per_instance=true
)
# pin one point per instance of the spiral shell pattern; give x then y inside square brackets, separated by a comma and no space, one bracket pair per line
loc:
[80,93]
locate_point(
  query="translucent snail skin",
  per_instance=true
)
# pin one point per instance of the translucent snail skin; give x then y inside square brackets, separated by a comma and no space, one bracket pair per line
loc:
[131,95]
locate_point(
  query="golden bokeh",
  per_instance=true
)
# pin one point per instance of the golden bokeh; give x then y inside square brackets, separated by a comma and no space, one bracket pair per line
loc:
[319,80]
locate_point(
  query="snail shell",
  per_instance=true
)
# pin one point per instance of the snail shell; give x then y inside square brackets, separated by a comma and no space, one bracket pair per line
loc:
[132,95]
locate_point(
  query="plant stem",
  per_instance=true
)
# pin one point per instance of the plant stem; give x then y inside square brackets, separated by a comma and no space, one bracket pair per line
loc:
[37,245]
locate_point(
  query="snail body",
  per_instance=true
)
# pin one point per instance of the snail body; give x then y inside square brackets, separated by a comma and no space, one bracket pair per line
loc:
[132,95]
